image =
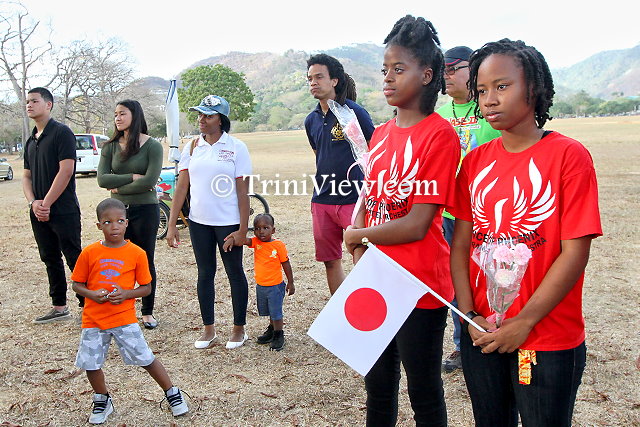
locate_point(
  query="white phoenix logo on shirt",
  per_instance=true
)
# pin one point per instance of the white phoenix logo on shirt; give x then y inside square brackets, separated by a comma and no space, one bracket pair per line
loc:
[395,184]
[527,213]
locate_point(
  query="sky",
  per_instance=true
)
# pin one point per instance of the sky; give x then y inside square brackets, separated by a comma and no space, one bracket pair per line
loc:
[164,40]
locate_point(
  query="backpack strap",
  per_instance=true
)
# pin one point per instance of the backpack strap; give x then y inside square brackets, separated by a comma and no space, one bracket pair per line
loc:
[194,143]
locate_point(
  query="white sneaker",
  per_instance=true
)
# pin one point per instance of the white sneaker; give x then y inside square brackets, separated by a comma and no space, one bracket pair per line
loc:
[176,401]
[102,407]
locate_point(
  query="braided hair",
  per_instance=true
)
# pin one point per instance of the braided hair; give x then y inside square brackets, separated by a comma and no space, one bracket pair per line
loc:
[536,73]
[346,87]
[421,38]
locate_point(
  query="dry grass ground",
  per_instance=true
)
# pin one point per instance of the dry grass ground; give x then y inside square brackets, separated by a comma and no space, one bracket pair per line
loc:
[304,384]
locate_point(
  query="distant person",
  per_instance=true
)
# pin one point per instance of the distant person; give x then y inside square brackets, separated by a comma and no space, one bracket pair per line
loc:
[531,186]
[213,169]
[106,274]
[404,220]
[473,131]
[49,185]
[270,258]
[332,206]
[130,164]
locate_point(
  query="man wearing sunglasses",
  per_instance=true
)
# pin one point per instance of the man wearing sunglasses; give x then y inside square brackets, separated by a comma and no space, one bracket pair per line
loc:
[473,132]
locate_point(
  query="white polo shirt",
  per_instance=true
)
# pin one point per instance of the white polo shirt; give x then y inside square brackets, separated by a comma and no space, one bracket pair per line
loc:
[213,170]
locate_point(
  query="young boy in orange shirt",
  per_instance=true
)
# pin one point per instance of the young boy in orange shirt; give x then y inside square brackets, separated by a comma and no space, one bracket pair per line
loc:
[105,274]
[270,258]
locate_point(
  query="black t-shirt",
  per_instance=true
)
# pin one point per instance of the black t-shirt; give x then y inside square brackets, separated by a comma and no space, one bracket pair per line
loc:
[43,156]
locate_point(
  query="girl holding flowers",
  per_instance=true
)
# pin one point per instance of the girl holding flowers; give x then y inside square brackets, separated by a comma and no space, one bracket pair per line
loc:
[534,187]
[404,218]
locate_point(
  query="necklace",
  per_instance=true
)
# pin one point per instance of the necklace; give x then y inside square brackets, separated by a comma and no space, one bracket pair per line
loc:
[453,107]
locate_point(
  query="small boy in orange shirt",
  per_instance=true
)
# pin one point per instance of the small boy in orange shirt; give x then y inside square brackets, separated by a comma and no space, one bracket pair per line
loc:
[105,274]
[270,258]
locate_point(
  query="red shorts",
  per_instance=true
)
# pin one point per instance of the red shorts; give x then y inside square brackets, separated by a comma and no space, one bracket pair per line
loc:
[329,223]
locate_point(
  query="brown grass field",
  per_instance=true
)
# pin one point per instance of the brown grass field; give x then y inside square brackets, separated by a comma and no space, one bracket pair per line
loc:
[304,384]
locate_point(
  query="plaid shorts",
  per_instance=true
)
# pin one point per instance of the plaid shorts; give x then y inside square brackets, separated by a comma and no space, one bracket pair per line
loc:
[94,346]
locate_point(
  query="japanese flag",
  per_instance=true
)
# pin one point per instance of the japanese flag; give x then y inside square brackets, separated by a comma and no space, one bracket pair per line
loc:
[367,310]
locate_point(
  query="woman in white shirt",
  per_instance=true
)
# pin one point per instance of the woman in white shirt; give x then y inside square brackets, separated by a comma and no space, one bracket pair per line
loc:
[213,168]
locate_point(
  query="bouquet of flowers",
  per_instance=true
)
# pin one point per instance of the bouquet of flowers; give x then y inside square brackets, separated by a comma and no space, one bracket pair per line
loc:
[353,133]
[504,266]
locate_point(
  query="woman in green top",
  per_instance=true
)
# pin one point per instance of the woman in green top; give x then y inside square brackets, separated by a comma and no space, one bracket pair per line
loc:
[129,168]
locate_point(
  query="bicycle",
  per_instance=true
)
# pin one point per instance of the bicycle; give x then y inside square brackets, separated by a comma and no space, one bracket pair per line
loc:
[165,188]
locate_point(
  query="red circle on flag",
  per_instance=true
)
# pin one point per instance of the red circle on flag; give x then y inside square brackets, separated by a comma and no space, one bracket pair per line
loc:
[365,309]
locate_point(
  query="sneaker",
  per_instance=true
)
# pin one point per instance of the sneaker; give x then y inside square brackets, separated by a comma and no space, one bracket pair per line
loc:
[453,362]
[176,401]
[267,337]
[277,343]
[53,315]
[102,407]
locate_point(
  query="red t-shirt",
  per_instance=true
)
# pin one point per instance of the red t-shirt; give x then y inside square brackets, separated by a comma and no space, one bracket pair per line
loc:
[101,267]
[267,261]
[408,166]
[539,197]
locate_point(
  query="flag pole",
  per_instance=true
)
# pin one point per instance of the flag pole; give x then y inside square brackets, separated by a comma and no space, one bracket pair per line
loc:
[407,274]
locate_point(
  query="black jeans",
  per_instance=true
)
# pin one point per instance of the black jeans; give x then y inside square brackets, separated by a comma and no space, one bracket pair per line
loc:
[56,237]
[143,227]
[497,397]
[204,239]
[418,345]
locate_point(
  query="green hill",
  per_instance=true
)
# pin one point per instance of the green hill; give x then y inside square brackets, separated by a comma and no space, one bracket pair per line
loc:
[283,101]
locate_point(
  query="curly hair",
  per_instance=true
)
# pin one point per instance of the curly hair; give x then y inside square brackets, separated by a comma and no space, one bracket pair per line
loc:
[421,38]
[346,87]
[536,73]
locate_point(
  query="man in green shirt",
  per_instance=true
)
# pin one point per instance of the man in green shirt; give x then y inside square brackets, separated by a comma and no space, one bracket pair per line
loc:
[473,132]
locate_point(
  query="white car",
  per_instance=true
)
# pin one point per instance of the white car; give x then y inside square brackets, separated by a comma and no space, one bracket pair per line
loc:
[88,147]
[6,172]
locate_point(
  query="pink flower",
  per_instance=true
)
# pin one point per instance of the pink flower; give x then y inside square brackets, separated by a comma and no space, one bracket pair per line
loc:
[502,253]
[521,254]
[505,278]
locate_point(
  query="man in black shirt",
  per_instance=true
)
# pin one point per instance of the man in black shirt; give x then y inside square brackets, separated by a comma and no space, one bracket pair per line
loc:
[50,188]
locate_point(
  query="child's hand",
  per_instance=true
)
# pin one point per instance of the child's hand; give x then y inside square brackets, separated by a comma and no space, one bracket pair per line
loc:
[118,295]
[291,289]
[228,243]
[100,296]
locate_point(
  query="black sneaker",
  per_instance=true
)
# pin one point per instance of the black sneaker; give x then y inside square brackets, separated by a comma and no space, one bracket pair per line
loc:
[53,315]
[277,343]
[453,362]
[266,337]
[102,407]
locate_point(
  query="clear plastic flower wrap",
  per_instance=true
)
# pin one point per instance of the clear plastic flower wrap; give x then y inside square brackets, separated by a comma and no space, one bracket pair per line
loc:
[353,132]
[504,265]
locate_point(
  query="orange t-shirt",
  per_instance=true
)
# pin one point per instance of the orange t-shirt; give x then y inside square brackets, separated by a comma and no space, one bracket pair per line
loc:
[268,258]
[101,267]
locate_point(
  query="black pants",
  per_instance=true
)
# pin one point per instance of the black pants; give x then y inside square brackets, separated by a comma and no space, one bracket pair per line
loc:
[204,239]
[418,345]
[497,397]
[142,230]
[56,237]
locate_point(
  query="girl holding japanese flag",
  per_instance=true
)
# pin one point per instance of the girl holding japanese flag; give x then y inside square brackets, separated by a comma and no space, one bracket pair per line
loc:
[538,188]
[410,177]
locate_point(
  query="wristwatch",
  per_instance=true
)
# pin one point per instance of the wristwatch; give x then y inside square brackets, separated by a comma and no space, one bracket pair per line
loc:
[471,314]
[31,203]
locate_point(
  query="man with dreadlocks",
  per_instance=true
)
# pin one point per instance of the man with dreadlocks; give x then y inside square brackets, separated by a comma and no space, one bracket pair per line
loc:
[335,193]
[473,131]
[404,219]
[530,186]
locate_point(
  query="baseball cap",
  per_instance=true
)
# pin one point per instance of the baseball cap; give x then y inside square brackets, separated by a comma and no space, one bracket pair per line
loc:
[457,54]
[212,104]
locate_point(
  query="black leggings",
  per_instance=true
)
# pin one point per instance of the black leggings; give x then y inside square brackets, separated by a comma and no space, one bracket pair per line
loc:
[142,230]
[204,239]
[418,345]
